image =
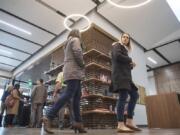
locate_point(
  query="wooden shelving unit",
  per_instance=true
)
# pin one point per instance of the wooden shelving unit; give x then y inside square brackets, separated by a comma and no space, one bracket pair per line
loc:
[97,54]
[97,67]
[97,108]
[55,70]
[96,81]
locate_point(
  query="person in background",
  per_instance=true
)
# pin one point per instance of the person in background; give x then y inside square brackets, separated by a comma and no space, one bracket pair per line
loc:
[18,118]
[13,111]
[122,83]
[3,98]
[73,73]
[60,88]
[38,98]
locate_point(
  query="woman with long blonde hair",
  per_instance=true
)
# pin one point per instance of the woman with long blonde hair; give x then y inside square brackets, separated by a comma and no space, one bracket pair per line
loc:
[122,83]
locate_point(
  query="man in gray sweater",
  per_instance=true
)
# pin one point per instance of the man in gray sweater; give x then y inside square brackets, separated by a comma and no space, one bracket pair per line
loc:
[38,98]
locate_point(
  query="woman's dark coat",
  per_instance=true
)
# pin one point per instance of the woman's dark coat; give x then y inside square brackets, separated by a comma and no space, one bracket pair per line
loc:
[121,69]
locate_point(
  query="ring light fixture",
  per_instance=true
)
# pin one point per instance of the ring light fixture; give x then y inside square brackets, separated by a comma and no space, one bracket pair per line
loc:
[77,15]
[128,7]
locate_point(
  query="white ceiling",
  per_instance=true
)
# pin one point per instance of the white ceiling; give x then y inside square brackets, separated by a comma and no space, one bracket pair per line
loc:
[150,25]
[13,53]
[69,7]
[8,60]
[37,36]
[17,43]
[6,67]
[36,13]
[157,58]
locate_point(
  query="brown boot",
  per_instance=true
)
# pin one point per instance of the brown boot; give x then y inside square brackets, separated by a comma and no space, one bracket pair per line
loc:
[46,122]
[78,127]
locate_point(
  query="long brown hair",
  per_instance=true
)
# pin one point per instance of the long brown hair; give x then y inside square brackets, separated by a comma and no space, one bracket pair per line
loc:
[129,46]
[76,33]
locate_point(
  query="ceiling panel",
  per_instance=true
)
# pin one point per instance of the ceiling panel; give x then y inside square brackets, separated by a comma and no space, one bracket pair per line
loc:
[72,6]
[171,51]
[35,13]
[13,53]
[37,35]
[6,67]
[18,43]
[147,24]
[9,61]
[160,61]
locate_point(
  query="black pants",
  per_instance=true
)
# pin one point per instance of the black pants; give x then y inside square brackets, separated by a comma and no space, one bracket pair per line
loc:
[9,119]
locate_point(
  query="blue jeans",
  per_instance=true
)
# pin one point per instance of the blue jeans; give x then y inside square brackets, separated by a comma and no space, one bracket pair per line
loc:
[123,95]
[72,92]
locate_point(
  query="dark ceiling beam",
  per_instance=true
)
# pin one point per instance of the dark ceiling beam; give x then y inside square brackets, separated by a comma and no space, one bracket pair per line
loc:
[178,62]
[43,29]
[2,76]
[148,67]
[179,40]
[97,2]
[14,49]
[167,43]
[162,56]
[11,58]
[21,37]
[7,64]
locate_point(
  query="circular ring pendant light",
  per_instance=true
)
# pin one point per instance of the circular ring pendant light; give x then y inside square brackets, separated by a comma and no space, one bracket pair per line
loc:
[77,15]
[128,7]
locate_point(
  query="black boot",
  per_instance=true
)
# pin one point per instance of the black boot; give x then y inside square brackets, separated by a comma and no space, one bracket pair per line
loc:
[78,127]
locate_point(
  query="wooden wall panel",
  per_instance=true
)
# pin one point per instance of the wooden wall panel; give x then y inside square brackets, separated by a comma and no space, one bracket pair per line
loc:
[168,79]
[163,111]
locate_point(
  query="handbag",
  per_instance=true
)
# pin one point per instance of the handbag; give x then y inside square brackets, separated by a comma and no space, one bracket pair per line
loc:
[10,101]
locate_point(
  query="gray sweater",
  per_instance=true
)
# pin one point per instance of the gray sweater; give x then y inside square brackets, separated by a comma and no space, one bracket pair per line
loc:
[73,60]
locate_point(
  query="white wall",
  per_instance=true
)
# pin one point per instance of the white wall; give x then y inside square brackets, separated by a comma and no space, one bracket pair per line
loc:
[151,84]
[140,116]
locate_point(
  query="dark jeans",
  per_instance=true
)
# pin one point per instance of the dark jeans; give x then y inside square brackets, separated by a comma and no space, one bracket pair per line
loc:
[123,94]
[72,92]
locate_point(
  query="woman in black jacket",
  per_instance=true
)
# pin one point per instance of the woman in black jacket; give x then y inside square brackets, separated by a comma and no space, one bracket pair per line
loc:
[122,82]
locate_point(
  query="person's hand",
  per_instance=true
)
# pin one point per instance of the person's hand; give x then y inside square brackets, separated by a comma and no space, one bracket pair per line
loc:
[133,64]
[54,94]
[58,86]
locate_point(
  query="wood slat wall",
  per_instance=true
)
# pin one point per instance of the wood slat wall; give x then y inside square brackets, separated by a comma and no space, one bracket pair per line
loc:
[168,79]
[163,111]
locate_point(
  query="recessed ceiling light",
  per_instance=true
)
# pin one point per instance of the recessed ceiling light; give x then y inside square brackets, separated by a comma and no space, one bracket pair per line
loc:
[152,60]
[77,15]
[175,6]
[15,27]
[131,6]
[6,52]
